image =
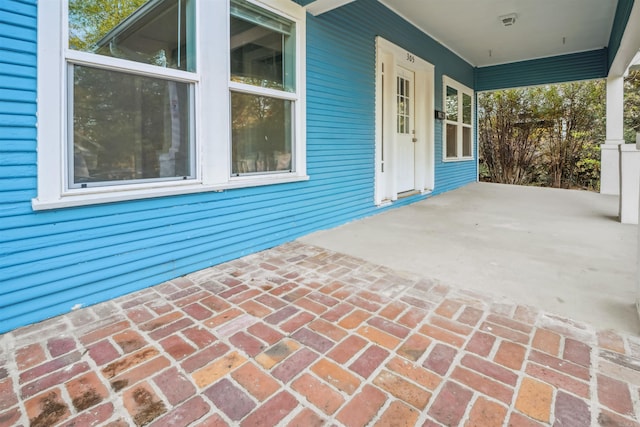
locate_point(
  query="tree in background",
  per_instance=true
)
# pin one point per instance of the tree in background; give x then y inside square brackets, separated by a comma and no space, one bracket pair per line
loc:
[631,106]
[509,135]
[90,20]
[574,114]
[546,136]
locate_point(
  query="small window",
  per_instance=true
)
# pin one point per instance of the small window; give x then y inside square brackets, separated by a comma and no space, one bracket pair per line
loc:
[452,104]
[458,136]
[466,142]
[404,104]
[452,141]
[261,134]
[263,87]
[262,48]
[466,109]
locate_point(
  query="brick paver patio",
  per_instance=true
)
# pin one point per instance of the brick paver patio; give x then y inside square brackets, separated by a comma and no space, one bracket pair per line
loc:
[300,336]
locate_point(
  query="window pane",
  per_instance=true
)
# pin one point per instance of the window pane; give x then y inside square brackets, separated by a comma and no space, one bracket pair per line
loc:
[128,127]
[262,47]
[452,104]
[261,134]
[403,102]
[466,109]
[466,142]
[452,140]
[153,32]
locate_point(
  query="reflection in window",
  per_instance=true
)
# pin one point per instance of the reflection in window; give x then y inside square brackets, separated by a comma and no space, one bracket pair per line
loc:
[158,32]
[466,109]
[262,47]
[262,56]
[404,103]
[466,142]
[128,127]
[261,134]
[452,104]
[452,140]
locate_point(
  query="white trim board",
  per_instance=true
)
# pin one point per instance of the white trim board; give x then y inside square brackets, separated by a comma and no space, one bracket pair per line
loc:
[392,55]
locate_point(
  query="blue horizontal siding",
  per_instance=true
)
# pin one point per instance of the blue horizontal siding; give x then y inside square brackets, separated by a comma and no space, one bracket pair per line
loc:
[15,18]
[8,197]
[17,108]
[14,95]
[17,146]
[19,58]
[17,82]
[17,41]
[20,171]
[556,69]
[13,132]
[20,7]
[11,120]
[17,158]
[51,261]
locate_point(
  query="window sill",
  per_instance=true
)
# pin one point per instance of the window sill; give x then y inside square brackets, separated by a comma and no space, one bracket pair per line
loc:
[458,159]
[120,195]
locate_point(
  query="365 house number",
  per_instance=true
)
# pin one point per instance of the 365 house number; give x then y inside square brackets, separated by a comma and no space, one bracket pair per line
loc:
[410,58]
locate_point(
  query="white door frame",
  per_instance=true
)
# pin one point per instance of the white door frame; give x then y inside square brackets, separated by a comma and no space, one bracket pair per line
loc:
[405,142]
[388,56]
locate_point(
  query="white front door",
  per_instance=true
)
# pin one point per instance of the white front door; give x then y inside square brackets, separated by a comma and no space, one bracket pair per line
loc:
[405,159]
[405,130]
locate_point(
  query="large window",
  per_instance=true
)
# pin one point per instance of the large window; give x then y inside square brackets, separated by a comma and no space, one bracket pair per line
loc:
[127,127]
[458,133]
[136,99]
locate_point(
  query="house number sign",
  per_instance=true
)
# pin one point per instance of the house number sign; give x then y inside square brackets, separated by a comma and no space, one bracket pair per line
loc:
[410,58]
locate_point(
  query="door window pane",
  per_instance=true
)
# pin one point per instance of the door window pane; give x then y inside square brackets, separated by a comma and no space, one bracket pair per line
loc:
[403,105]
[452,140]
[261,134]
[466,142]
[262,47]
[452,104]
[152,32]
[466,109]
[128,127]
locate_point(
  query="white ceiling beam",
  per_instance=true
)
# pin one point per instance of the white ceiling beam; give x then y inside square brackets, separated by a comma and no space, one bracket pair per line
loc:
[319,7]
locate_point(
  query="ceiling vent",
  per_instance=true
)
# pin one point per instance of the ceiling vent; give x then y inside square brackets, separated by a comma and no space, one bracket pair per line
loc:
[508,20]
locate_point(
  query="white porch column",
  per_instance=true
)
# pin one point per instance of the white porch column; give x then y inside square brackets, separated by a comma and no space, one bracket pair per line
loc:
[610,155]
[638,256]
[629,183]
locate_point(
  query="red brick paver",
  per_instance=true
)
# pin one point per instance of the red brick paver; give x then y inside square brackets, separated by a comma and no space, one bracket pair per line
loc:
[301,336]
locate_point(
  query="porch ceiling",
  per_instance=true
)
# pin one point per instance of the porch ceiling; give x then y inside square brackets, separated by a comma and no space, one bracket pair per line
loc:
[542,28]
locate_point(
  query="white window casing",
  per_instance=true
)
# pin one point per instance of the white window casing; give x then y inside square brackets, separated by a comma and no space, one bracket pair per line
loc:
[211,91]
[457,121]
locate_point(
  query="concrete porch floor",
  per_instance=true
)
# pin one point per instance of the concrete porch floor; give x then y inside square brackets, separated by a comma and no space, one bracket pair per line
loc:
[558,250]
[303,336]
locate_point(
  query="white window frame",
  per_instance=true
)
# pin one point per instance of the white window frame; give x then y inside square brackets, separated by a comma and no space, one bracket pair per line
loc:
[460,125]
[212,88]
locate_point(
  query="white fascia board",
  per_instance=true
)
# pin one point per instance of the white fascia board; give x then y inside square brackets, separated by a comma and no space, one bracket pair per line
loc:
[319,7]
